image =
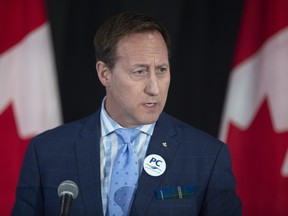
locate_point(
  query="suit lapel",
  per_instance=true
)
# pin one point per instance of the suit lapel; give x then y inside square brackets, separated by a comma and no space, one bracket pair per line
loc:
[161,144]
[87,150]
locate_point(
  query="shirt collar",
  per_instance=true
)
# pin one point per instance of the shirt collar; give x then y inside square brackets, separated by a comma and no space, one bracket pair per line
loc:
[108,125]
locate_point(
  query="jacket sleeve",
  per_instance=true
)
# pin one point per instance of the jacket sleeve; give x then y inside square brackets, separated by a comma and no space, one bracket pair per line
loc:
[220,197]
[29,196]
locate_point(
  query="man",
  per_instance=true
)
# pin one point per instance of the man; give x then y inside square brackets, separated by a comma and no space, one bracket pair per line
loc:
[179,170]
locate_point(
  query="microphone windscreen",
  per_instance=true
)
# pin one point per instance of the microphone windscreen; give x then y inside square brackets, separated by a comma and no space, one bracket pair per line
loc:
[68,187]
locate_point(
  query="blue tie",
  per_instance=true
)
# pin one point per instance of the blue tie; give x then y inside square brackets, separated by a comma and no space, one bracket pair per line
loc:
[124,174]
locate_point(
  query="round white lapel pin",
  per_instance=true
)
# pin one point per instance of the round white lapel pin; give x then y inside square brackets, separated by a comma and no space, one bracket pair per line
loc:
[154,165]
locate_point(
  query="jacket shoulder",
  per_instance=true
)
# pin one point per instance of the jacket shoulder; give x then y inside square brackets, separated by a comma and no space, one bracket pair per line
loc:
[187,132]
[70,131]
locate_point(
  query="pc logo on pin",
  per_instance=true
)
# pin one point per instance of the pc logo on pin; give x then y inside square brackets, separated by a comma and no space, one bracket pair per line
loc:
[154,165]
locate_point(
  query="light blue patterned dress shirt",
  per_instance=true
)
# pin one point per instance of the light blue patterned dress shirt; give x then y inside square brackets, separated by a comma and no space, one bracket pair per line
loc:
[109,147]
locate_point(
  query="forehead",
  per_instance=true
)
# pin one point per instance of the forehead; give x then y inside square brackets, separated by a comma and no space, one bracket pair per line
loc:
[142,44]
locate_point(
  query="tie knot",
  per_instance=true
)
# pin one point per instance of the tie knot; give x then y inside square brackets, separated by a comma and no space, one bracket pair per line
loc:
[128,135]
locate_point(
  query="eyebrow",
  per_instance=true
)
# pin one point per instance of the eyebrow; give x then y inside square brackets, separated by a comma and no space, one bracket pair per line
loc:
[148,66]
[141,65]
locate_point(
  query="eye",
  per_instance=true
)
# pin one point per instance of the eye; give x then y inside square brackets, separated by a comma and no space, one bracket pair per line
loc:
[162,70]
[139,71]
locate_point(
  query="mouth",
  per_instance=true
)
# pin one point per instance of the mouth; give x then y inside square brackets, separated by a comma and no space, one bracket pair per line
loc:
[150,104]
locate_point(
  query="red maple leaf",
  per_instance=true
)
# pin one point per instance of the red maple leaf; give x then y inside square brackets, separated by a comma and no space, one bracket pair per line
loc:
[12,149]
[257,157]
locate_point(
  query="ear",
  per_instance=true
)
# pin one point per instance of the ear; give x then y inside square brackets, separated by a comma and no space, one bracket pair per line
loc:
[103,72]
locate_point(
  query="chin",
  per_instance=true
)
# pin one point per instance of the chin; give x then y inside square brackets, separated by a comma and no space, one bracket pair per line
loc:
[149,119]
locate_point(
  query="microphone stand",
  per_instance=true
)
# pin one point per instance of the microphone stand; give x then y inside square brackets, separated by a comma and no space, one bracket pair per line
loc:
[65,204]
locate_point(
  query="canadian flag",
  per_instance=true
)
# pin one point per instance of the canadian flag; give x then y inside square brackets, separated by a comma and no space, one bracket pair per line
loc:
[29,101]
[255,119]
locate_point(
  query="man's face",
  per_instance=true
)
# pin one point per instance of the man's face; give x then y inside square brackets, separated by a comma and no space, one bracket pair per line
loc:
[138,84]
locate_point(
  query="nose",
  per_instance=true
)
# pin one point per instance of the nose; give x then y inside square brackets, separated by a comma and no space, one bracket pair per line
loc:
[152,85]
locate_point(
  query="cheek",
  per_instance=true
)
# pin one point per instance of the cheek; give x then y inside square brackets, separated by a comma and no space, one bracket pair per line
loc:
[118,84]
[165,86]
[123,90]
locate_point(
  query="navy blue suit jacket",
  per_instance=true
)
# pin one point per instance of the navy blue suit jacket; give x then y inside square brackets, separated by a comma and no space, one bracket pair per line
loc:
[71,152]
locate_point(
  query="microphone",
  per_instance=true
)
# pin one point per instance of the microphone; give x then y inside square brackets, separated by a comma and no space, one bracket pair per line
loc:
[68,190]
